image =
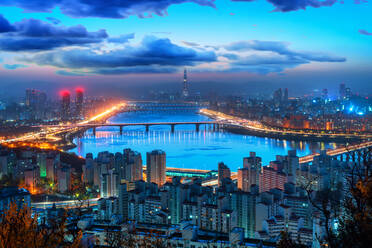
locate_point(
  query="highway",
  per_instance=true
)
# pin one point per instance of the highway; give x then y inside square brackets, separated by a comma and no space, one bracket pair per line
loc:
[258,127]
[51,132]
[65,204]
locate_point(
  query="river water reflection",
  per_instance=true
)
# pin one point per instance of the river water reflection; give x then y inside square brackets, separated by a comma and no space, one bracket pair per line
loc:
[186,148]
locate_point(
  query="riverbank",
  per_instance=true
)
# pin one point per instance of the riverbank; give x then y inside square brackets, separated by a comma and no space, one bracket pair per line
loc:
[255,128]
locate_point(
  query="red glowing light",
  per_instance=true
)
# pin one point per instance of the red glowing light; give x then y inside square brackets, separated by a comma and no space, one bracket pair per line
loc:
[80,89]
[64,93]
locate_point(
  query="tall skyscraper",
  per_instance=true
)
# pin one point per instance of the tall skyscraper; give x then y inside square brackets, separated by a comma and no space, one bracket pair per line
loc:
[291,164]
[223,172]
[325,93]
[243,179]
[155,167]
[79,102]
[132,166]
[285,97]
[28,97]
[185,90]
[244,205]
[342,91]
[252,161]
[65,108]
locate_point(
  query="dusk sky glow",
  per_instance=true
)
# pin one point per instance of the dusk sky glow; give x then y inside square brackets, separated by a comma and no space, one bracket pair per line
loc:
[124,44]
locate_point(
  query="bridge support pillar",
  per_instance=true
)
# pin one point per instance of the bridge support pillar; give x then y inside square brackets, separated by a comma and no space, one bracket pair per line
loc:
[147,128]
[121,130]
[214,127]
[341,157]
[172,127]
[94,131]
[353,156]
[197,127]
[347,157]
[359,153]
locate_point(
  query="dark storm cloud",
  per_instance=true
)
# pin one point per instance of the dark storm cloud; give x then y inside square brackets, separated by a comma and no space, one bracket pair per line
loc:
[364,32]
[152,54]
[33,35]
[5,26]
[102,8]
[293,5]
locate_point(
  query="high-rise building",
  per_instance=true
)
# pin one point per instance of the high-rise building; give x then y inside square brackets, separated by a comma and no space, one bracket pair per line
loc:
[65,108]
[270,179]
[41,162]
[31,98]
[252,161]
[132,166]
[109,184]
[285,97]
[348,93]
[291,164]
[28,97]
[324,93]
[185,90]
[243,179]
[244,206]
[155,167]
[64,179]
[342,91]
[223,172]
[79,102]
[278,97]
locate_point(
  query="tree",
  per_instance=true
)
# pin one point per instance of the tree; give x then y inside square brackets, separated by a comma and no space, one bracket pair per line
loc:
[19,229]
[355,225]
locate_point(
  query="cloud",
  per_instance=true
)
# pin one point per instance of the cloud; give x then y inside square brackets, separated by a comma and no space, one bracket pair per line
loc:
[153,54]
[103,8]
[192,44]
[293,5]
[13,66]
[231,56]
[53,20]
[271,56]
[121,39]
[364,32]
[5,26]
[281,48]
[69,73]
[33,35]
[135,70]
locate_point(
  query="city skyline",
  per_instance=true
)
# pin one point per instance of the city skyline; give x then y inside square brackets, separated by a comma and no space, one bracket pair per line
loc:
[148,43]
[185,123]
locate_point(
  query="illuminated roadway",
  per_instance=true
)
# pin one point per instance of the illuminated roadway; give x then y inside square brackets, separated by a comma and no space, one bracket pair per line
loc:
[258,127]
[51,132]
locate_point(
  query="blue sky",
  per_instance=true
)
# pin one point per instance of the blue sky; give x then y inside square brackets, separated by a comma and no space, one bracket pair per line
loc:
[272,42]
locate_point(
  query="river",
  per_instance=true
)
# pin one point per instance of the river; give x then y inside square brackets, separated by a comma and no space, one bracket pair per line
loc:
[186,148]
